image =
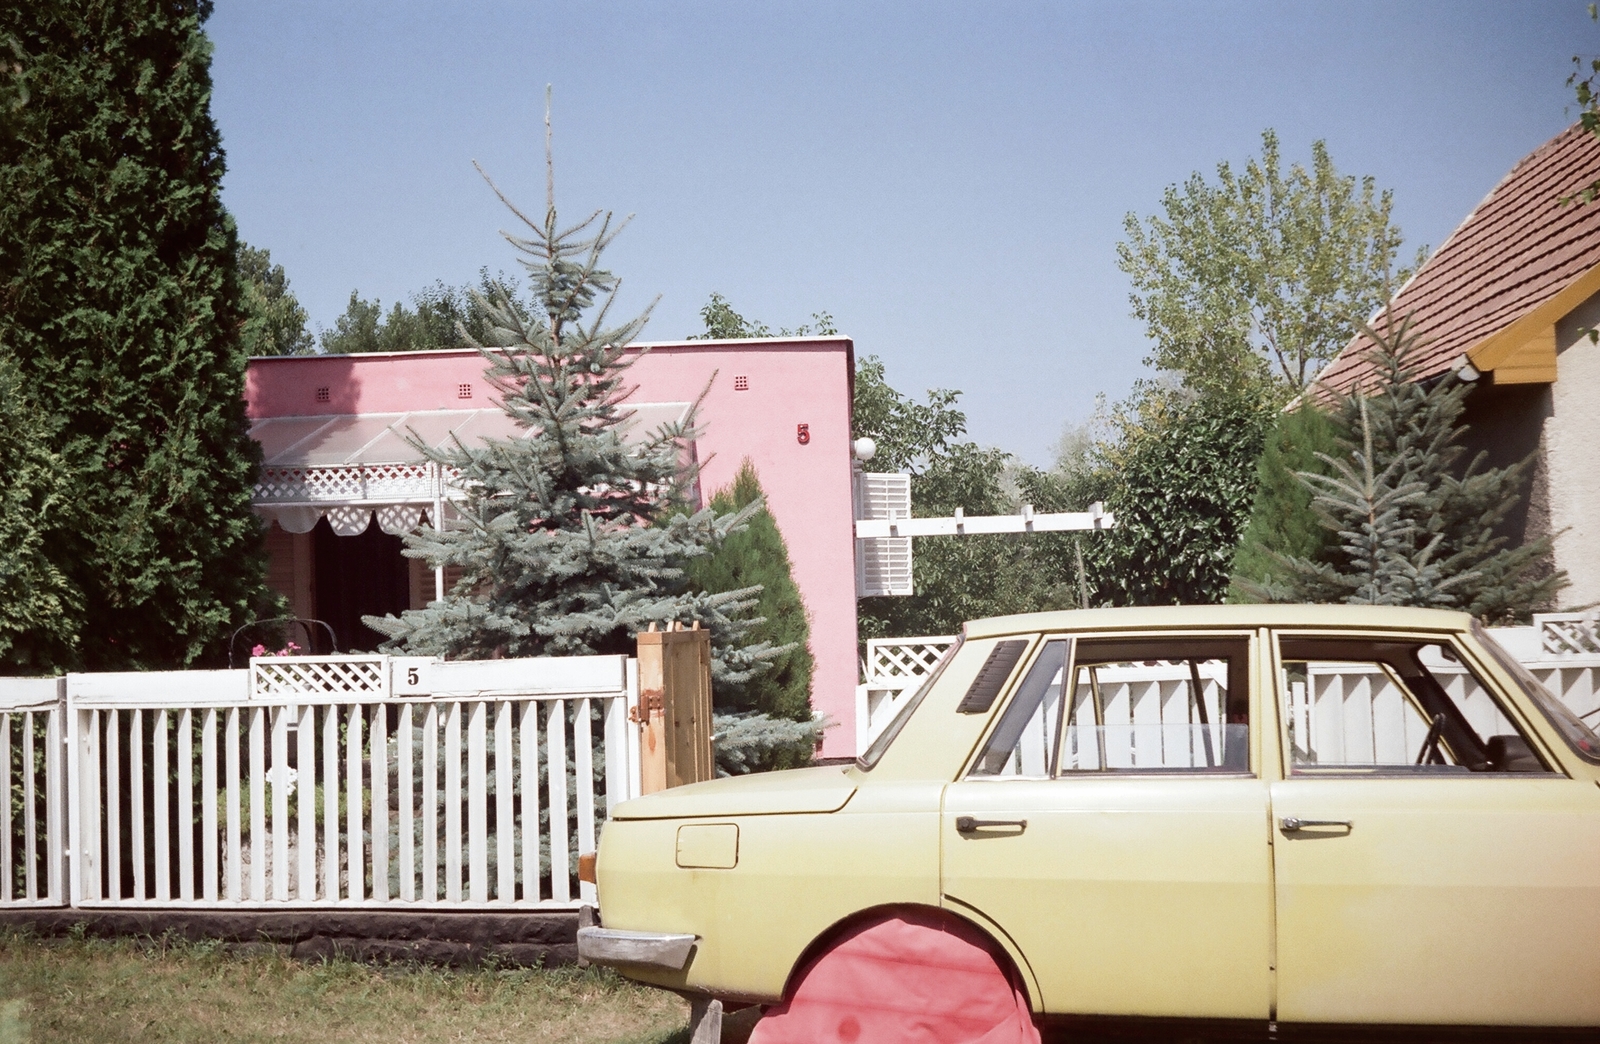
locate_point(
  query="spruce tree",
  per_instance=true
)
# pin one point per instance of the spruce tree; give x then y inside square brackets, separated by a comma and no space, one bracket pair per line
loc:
[120,311]
[568,539]
[1412,521]
[758,557]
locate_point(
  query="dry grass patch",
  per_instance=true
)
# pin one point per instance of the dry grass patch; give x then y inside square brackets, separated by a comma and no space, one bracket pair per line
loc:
[91,990]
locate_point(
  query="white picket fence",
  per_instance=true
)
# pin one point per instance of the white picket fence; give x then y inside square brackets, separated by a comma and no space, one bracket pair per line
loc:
[351,781]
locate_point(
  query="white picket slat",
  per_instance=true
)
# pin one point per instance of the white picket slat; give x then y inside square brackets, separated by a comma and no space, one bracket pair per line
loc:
[379,782]
[231,780]
[208,803]
[113,807]
[505,843]
[452,803]
[529,762]
[161,810]
[583,762]
[477,804]
[355,863]
[136,823]
[330,801]
[279,769]
[430,804]
[556,766]
[185,823]
[258,804]
[6,865]
[407,795]
[305,794]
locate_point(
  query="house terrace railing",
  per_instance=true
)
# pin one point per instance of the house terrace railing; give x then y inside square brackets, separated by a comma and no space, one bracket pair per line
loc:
[368,781]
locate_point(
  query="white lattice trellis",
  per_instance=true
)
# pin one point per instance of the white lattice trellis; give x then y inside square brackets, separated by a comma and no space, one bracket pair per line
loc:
[1568,634]
[396,482]
[895,661]
[312,677]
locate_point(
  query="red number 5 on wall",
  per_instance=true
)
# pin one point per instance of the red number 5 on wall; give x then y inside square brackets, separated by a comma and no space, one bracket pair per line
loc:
[802,434]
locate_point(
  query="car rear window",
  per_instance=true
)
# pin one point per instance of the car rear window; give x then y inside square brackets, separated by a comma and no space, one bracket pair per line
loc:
[1577,732]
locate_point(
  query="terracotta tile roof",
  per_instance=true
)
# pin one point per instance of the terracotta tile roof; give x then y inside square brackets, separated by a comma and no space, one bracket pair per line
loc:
[1516,251]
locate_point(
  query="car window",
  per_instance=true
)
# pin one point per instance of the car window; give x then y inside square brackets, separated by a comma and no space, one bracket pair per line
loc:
[1158,704]
[1155,704]
[1023,743]
[1393,704]
[1574,728]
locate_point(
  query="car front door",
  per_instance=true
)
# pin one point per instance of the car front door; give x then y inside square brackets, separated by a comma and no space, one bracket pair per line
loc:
[1432,865]
[1112,827]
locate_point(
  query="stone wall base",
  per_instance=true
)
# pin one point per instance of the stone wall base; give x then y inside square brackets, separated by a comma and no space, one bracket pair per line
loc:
[454,939]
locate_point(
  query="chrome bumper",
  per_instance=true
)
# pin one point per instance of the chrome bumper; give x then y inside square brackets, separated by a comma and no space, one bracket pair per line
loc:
[636,949]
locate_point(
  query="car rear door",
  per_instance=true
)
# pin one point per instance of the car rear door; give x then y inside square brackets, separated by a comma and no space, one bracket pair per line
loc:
[1117,834]
[1462,890]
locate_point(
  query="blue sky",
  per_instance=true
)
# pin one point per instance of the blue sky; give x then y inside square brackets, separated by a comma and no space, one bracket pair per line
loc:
[948,179]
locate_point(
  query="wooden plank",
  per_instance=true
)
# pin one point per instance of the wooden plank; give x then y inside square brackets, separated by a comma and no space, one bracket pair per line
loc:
[504,806]
[616,750]
[430,804]
[7,873]
[30,873]
[528,759]
[113,808]
[356,862]
[280,804]
[305,792]
[583,770]
[330,802]
[556,780]
[452,803]
[93,849]
[477,802]
[55,800]
[231,781]
[379,780]
[136,802]
[208,803]
[258,803]
[161,809]
[403,754]
[185,823]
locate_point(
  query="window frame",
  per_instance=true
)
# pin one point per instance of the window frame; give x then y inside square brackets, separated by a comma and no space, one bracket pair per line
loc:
[1249,667]
[1507,708]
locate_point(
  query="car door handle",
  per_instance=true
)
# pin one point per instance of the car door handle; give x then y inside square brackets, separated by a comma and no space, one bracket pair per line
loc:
[1289,824]
[970,825]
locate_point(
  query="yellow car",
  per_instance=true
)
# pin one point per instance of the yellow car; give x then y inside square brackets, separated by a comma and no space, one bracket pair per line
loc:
[1261,814]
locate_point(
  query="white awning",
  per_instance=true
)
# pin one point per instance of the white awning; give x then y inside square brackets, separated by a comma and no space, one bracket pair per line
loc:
[349,466]
[366,439]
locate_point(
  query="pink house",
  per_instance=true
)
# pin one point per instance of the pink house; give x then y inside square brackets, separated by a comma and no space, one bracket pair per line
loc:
[340,484]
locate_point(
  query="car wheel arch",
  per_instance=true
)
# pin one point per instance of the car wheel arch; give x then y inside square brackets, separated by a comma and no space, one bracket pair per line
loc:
[1017,964]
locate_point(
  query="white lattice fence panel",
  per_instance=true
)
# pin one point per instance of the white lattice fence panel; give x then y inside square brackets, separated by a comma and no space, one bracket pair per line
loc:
[892,660]
[318,677]
[1567,634]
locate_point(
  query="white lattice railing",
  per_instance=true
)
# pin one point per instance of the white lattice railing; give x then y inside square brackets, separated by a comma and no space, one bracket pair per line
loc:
[358,780]
[347,483]
[889,675]
[32,835]
[1568,634]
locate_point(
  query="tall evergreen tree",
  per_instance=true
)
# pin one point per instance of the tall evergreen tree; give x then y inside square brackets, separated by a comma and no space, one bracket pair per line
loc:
[758,557]
[120,310]
[1282,521]
[1413,522]
[569,541]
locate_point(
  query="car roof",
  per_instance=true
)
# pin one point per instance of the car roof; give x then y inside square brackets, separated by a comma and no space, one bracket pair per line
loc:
[1230,616]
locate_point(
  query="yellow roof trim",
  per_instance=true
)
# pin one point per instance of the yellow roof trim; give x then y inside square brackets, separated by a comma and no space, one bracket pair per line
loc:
[1500,347]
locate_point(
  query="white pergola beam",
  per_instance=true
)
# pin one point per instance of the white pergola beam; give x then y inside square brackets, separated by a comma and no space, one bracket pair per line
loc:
[961,524]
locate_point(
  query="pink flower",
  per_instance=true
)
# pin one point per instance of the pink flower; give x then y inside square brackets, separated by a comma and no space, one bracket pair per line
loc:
[260,650]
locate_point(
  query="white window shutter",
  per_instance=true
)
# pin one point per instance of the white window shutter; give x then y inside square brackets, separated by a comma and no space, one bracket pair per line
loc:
[883,564]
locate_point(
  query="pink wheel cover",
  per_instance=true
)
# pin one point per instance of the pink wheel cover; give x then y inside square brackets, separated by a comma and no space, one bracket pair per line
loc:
[913,978]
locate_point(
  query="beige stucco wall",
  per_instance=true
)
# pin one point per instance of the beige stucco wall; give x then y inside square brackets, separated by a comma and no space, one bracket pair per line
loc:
[1572,455]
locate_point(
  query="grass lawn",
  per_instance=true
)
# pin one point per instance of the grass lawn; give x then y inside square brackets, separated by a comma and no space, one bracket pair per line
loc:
[92,990]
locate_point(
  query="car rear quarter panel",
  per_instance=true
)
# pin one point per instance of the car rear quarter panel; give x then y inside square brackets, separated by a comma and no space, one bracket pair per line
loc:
[797,875]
